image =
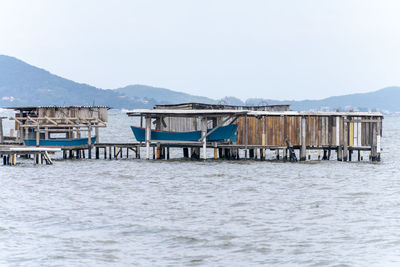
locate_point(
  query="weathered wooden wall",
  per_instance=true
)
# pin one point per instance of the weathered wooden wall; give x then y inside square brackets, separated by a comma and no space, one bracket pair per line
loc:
[320,130]
[74,112]
[182,124]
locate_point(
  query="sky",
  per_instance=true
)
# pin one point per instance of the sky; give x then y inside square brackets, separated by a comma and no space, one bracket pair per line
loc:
[286,50]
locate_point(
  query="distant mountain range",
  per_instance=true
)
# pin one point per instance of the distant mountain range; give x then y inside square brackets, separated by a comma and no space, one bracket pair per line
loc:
[22,84]
[161,95]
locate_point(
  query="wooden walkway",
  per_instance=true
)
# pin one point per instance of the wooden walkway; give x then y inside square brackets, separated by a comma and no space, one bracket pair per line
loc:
[39,154]
[161,150]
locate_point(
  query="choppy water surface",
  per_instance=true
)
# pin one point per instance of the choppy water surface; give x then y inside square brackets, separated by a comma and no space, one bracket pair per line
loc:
[220,213]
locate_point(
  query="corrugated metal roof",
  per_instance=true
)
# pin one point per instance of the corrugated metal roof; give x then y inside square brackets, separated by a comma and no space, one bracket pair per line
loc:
[217,106]
[38,107]
[199,112]
[186,112]
[312,113]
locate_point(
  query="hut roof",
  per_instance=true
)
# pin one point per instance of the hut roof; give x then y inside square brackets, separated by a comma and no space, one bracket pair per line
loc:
[185,112]
[312,113]
[219,106]
[30,108]
[220,112]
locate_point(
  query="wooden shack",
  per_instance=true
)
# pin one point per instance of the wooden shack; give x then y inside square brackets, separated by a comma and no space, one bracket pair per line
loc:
[181,124]
[286,131]
[59,122]
[341,131]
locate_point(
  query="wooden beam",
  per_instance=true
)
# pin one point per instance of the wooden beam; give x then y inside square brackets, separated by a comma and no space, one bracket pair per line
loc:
[60,125]
[245,136]
[345,139]
[148,136]
[15,119]
[32,120]
[37,136]
[204,136]
[50,120]
[303,139]
[1,131]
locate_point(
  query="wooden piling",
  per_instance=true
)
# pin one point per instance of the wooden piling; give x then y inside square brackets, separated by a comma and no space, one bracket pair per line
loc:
[90,141]
[228,153]
[263,139]
[378,139]
[167,152]
[203,135]
[303,139]
[186,152]
[374,151]
[221,153]
[158,155]
[138,152]
[195,153]
[339,152]
[345,139]
[246,137]
[1,130]
[251,153]
[325,156]
[37,136]
[148,137]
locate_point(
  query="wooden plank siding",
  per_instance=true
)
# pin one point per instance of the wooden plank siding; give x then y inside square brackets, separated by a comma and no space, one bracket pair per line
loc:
[321,131]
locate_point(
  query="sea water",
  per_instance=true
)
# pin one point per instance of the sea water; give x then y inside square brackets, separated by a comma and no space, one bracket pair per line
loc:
[219,213]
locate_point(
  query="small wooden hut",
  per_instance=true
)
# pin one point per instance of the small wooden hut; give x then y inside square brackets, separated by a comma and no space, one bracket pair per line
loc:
[342,131]
[59,122]
[274,127]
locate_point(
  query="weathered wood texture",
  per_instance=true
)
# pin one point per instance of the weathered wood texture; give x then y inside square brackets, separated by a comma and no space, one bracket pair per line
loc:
[193,124]
[71,112]
[320,130]
[181,124]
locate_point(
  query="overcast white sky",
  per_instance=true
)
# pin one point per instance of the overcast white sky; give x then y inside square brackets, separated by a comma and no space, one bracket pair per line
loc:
[272,49]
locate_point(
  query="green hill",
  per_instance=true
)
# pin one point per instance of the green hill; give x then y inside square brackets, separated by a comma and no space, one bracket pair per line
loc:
[22,84]
[162,95]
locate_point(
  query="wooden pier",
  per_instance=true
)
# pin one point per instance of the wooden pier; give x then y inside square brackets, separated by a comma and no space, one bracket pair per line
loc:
[284,132]
[263,133]
[39,155]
